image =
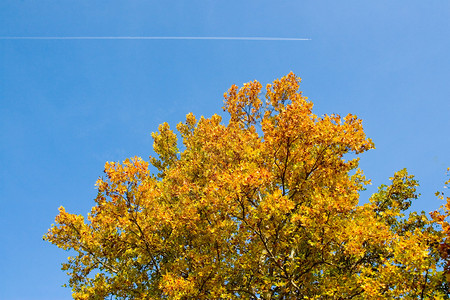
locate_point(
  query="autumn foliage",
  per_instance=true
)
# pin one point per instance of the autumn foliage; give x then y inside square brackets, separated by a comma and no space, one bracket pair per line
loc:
[264,207]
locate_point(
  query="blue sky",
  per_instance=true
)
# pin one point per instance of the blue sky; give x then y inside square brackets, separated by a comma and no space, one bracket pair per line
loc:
[68,106]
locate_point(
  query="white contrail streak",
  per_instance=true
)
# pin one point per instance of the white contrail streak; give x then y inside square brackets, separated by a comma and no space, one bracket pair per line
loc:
[150,38]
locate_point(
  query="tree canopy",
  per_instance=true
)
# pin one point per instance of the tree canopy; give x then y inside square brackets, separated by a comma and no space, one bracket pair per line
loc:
[264,207]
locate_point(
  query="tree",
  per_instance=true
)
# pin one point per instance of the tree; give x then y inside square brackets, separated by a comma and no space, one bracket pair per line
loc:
[265,207]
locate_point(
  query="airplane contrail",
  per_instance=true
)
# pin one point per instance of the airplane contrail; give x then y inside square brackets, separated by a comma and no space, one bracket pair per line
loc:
[150,38]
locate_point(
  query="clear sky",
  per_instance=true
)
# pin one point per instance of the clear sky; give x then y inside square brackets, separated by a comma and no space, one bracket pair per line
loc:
[68,106]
